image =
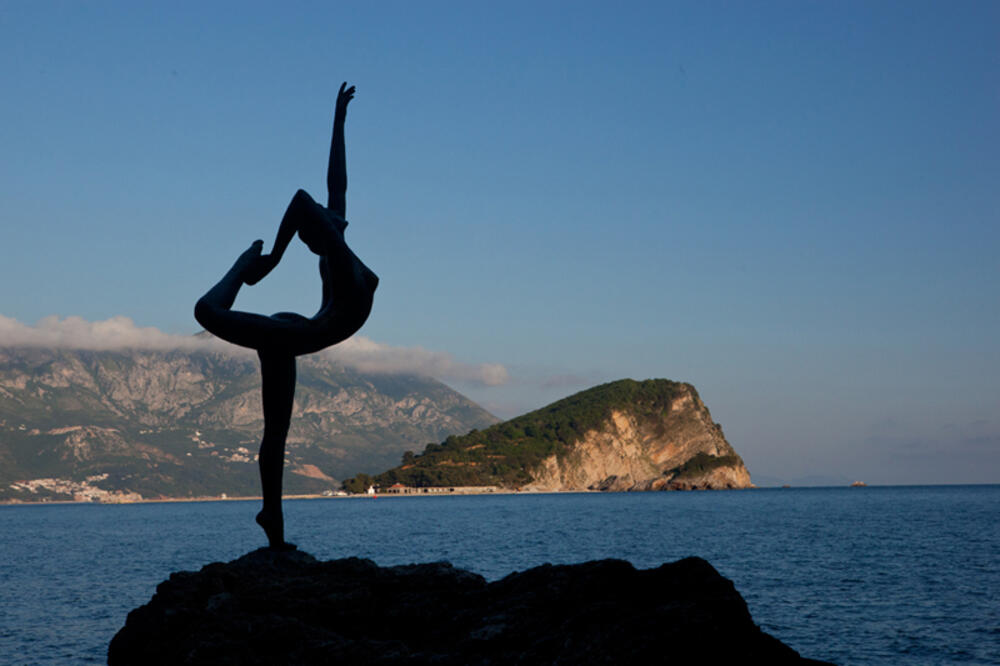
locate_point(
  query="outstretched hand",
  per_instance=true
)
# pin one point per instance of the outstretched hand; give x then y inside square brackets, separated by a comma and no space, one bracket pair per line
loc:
[344,95]
[253,265]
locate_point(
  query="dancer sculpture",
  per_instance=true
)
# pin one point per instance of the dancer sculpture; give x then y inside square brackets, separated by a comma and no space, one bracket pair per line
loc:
[348,288]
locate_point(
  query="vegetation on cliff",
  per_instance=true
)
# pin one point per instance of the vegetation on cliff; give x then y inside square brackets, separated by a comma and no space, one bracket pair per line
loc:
[505,454]
[701,464]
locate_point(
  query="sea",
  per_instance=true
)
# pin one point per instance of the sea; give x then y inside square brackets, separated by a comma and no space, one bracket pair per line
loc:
[875,575]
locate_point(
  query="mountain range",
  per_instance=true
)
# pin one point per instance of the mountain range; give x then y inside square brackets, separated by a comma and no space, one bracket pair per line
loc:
[128,424]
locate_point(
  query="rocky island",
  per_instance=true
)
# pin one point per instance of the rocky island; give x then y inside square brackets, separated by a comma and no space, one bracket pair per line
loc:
[622,436]
[271,607]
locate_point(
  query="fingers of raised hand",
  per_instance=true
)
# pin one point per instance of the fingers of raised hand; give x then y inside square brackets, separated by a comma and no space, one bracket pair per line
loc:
[345,94]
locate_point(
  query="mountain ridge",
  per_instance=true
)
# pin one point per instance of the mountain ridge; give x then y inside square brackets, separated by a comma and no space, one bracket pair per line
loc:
[186,423]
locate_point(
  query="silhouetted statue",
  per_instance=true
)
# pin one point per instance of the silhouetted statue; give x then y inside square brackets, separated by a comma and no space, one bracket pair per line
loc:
[348,288]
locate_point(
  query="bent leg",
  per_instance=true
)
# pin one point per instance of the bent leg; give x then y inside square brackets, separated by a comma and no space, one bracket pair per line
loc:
[219,299]
[214,312]
[277,371]
[214,309]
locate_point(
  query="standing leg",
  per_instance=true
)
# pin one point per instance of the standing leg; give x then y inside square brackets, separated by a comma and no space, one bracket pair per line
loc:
[277,371]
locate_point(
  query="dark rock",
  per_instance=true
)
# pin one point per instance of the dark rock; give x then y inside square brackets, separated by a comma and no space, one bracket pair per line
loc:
[272,607]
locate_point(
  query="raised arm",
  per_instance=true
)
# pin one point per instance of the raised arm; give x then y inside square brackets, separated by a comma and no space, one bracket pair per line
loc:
[336,173]
[336,183]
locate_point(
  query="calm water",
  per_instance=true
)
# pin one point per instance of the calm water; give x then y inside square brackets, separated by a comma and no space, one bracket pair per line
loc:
[855,576]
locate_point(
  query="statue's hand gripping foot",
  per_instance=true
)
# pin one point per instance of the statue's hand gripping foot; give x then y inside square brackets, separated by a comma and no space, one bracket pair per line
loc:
[254,266]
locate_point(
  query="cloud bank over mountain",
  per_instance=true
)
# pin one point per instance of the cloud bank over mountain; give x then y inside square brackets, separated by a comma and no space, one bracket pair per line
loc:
[122,333]
[370,356]
[78,333]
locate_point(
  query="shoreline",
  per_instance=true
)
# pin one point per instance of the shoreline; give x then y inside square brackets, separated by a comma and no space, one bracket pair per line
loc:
[246,498]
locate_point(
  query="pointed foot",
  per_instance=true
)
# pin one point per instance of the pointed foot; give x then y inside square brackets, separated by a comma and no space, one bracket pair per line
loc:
[273,525]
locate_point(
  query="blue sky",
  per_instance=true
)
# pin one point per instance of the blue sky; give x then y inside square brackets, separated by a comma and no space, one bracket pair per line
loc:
[793,206]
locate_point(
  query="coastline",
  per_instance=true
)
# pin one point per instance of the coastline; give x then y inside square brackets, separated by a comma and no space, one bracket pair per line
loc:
[215,498]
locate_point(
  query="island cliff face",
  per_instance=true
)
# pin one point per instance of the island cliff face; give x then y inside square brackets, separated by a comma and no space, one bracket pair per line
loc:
[622,436]
[634,452]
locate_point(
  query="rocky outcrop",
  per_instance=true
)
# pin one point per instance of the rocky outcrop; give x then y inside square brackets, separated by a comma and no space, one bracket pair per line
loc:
[654,434]
[676,448]
[288,608]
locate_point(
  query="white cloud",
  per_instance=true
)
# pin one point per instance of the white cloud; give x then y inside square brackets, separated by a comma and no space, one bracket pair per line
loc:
[121,333]
[78,333]
[370,356]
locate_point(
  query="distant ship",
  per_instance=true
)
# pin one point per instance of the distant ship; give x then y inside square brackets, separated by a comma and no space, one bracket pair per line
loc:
[858,484]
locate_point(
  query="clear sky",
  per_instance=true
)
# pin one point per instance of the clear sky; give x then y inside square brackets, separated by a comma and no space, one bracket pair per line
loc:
[795,206]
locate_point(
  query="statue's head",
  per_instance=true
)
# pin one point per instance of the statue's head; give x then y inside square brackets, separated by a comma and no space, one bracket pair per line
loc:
[317,231]
[312,233]
[317,225]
